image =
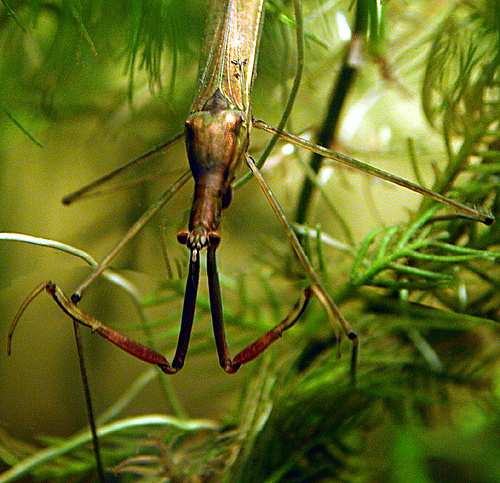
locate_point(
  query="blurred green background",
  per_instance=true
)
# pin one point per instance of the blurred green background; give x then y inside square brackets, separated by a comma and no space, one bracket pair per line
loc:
[97,83]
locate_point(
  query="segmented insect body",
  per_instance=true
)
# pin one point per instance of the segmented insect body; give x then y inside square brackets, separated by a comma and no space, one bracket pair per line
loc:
[218,128]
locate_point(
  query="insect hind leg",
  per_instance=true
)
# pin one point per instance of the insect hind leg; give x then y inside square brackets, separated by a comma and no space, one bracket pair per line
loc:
[333,312]
[128,345]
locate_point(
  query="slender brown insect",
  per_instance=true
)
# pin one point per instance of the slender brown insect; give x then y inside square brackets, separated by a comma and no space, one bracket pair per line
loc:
[217,136]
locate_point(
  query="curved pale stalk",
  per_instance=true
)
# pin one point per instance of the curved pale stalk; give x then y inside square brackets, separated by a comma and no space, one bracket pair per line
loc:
[51,453]
[110,275]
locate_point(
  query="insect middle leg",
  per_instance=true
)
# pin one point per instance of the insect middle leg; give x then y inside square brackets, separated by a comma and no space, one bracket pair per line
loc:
[132,232]
[333,312]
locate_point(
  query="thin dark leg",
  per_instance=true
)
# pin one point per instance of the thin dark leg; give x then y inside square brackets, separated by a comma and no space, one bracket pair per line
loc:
[134,348]
[216,310]
[254,349]
[333,312]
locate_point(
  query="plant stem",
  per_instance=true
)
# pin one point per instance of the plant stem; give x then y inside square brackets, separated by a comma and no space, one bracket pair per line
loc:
[50,453]
[329,129]
[456,164]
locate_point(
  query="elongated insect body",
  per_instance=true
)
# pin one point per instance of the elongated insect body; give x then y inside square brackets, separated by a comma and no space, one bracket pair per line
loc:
[216,141]
[230,55]
[218,129]
[217,135]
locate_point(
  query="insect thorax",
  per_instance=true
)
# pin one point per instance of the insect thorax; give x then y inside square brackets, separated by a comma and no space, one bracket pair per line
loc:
[216,141]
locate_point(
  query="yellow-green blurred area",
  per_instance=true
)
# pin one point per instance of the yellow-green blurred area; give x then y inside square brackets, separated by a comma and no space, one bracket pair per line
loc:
[70,81]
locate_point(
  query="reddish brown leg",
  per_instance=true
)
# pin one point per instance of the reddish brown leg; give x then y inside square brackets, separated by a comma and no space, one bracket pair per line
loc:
[254,349]
[123,342]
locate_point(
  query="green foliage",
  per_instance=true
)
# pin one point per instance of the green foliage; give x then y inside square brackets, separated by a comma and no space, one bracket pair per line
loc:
[423,293]
[460,89]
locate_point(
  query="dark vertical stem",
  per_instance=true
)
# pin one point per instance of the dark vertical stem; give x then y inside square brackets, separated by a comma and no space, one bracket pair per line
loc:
[329,129]
[88,402]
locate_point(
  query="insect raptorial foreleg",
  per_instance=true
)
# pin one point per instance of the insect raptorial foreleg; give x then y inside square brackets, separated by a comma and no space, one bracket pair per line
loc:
[254,349]
[130,346]
[188,310]
[334,314]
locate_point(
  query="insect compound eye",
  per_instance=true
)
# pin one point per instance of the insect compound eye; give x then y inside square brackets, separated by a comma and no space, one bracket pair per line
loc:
[182,237]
